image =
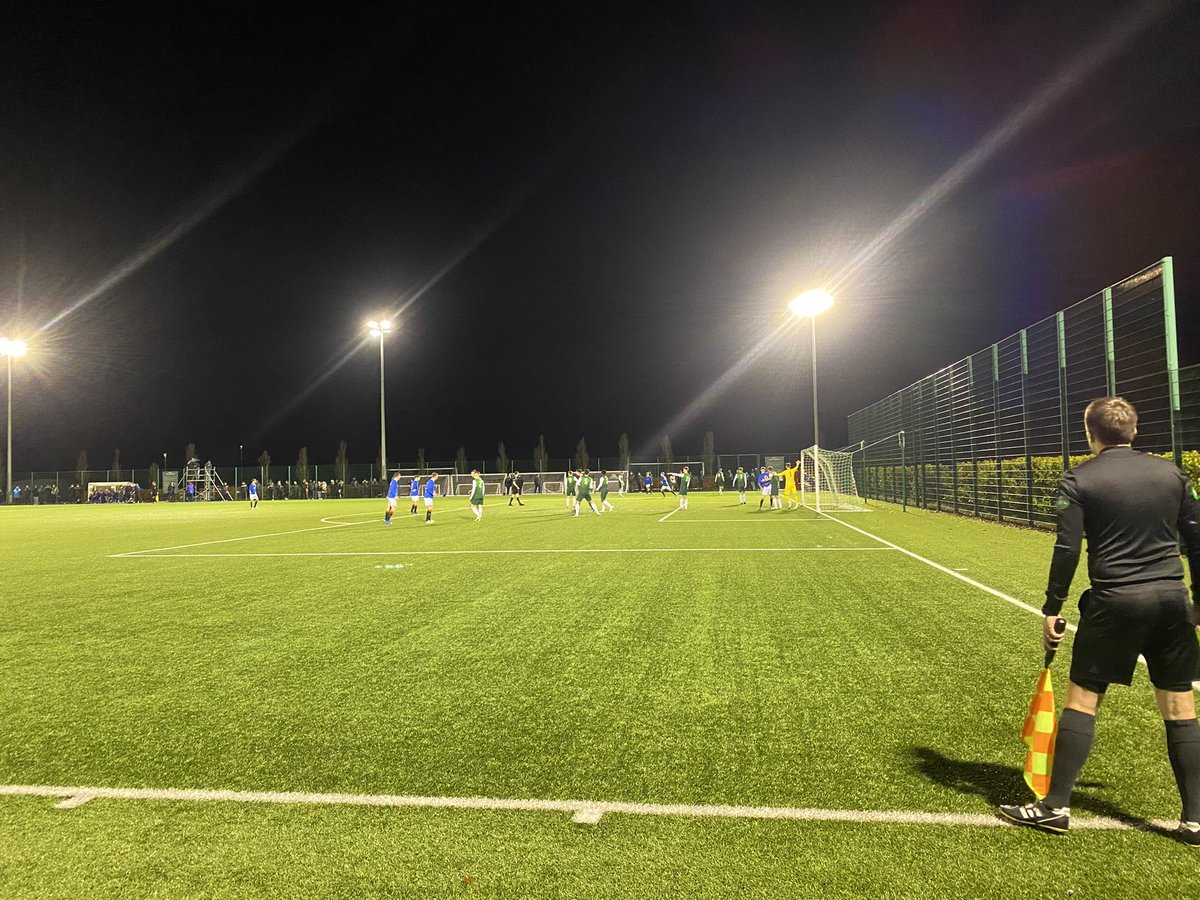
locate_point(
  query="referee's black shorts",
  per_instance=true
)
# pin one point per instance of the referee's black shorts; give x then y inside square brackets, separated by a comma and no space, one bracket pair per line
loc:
[1155,619]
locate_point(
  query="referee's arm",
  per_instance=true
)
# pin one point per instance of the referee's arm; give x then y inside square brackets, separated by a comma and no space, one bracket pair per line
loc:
[1067,546]
[1189,532]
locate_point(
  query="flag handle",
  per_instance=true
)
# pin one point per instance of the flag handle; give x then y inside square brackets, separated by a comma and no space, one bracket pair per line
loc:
[1060,628]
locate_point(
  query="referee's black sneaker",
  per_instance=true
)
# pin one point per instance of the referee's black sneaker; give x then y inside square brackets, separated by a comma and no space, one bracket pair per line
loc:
[1040,816]
[1189,833]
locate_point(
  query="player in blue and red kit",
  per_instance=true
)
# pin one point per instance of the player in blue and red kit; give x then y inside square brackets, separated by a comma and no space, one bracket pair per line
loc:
[430,490]
[764,486]
[392,498]
[414,494]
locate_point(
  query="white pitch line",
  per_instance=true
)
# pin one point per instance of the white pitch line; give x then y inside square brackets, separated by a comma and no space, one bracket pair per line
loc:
[249,537]
[754,519]
[671,513]
[572,550]
[953,574]
[587,812]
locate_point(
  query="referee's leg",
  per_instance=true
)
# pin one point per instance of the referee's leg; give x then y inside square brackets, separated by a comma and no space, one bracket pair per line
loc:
[1178,709]
[1076,734]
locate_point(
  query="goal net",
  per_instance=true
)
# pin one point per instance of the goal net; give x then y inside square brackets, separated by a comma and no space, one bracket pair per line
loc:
[828,482]
[461,485]
[493,483]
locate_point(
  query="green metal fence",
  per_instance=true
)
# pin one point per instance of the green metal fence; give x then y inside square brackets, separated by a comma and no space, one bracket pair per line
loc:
[990,435]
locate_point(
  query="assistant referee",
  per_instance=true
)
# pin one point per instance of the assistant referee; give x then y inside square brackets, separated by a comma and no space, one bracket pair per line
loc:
[1133,508]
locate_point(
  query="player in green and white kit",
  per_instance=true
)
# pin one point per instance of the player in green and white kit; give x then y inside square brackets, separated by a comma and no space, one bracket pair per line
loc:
[739,485]
[602,486]
[683,480]
[584,490]
[571,490]
[477,495]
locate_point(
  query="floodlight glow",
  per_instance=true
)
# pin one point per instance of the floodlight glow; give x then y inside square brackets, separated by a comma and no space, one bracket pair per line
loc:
[11,348]
[811,303]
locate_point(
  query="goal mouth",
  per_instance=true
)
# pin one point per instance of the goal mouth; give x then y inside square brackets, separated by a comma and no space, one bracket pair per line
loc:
[827,481]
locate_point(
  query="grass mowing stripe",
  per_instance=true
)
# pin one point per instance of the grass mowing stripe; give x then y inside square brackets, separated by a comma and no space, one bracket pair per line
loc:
[587,812]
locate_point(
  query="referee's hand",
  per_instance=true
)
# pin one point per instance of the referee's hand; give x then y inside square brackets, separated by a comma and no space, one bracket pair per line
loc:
[1050,637]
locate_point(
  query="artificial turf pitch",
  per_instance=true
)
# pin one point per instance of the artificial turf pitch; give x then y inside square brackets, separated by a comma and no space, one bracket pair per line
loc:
[720,656]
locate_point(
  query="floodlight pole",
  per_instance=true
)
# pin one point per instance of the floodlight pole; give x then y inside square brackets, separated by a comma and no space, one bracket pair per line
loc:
[382,416]
[8,468]
[816,422]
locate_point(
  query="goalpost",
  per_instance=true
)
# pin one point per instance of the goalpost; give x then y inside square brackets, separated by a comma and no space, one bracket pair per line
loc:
[827,481]
[460,485]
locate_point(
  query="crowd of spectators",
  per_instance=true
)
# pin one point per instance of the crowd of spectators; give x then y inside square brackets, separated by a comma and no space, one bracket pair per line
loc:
[333,489]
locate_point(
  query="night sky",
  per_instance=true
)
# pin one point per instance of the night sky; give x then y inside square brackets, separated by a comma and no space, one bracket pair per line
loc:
[581,215]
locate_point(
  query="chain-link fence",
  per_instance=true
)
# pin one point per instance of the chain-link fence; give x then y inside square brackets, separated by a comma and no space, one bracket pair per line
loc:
[990,435]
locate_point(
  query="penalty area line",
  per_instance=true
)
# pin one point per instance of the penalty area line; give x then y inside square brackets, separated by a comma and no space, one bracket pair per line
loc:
[232,540]
[583,812]
[951,572]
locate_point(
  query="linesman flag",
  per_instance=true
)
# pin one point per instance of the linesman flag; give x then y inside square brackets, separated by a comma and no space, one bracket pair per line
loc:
[1041,729]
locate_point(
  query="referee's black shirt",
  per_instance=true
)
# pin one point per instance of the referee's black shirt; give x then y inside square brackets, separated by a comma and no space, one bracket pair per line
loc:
[1133,508]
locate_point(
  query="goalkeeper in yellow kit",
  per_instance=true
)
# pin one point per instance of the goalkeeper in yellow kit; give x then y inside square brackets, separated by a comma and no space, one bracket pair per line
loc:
[791,485]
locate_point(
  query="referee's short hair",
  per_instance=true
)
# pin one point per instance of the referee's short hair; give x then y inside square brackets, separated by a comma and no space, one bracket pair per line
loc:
[1111,420]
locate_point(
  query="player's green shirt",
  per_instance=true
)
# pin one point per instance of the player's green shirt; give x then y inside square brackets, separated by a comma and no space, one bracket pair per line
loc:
[570,484]
[775,485]
[685,479]
[602,485]
[477,491]
[585,485]
[739,481]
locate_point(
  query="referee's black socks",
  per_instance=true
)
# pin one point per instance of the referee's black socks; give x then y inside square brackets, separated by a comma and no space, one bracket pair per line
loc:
[1183,748]
[1076,734]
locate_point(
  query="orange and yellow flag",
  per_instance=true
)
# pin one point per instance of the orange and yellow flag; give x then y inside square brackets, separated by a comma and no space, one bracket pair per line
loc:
[1039,733]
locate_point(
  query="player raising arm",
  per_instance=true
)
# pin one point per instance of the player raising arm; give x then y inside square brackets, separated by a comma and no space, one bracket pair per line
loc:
[684,480]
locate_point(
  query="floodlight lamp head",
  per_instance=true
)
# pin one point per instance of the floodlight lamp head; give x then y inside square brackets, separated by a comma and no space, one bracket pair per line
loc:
[811,303]
[11,347]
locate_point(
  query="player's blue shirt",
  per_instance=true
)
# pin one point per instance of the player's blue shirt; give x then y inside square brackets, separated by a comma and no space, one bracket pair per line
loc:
[253,489]
[414,489]
[663,479]
[647,481]
[393,489]
[764,479]
[430,487]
